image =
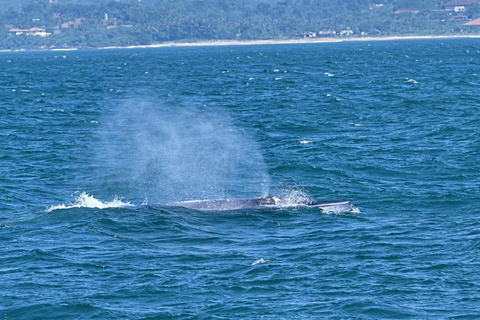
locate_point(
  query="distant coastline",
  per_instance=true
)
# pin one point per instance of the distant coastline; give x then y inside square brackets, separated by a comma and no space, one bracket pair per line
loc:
[258,42]
[291,41]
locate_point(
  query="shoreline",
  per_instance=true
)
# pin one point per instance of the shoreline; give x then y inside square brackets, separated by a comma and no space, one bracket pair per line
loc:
[257,42]
[289,41]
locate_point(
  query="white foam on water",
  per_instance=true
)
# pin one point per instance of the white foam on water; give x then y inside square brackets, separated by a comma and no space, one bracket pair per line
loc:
[355,124]
[355,210]
[337,210]
[306,141]
[84,200]
[412,81]
[298,198]
[292,198]
[261,260]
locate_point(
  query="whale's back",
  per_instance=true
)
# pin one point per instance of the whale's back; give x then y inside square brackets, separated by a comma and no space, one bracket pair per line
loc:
[262,202]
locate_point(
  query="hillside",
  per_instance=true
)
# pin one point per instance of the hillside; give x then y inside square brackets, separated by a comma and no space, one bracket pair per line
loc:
[70,23]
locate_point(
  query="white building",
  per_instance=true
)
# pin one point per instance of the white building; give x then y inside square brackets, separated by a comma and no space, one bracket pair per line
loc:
[35,31]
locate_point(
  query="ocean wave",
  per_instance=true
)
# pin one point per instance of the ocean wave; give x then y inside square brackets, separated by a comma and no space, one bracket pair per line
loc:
[85,200]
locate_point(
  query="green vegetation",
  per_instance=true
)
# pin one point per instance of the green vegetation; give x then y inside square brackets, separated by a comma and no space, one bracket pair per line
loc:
[140,23]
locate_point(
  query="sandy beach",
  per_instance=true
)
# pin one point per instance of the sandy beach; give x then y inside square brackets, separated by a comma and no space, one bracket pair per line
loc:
[259,42]
[291,41]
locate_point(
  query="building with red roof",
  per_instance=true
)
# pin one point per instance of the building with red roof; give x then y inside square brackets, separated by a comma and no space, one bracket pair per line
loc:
[475,22]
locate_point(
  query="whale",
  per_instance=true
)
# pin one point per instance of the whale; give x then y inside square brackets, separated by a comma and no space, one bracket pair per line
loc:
[268,201]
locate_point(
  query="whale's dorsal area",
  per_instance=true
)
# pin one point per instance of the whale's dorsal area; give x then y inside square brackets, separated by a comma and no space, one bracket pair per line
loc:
[262,202]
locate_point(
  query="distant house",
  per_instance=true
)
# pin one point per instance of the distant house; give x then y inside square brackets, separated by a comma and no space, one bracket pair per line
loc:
[326,33]
[75,23]
[347,32]
[459,5]
[35,31]
[475,22]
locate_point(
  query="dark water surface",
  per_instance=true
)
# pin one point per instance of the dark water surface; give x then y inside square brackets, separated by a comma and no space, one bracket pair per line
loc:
[86,137]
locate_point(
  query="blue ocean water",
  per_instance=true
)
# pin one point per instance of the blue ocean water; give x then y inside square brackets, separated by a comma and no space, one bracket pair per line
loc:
[92,142]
